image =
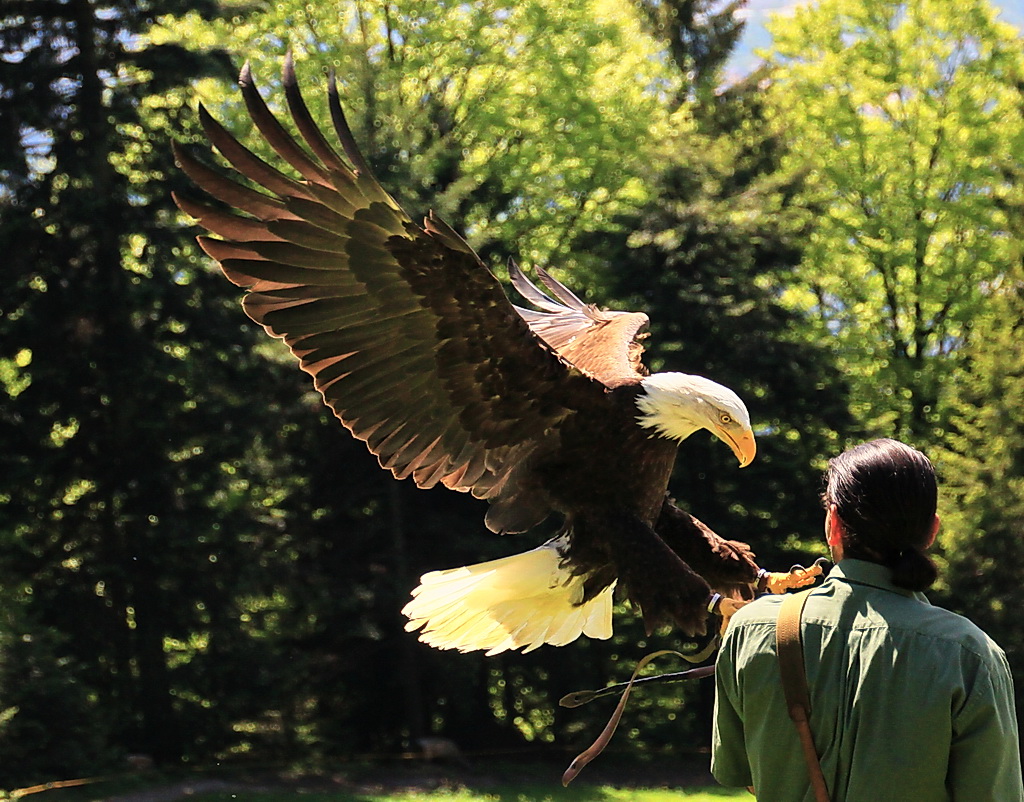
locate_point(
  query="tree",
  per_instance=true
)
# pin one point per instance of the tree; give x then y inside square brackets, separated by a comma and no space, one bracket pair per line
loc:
[132,458]
[981,462]
[903,117]
[699,37]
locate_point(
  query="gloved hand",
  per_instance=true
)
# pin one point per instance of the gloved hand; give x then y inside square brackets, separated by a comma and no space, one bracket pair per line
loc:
[796,577]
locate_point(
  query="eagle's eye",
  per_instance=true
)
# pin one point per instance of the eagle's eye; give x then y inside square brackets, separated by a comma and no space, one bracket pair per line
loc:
[725,418]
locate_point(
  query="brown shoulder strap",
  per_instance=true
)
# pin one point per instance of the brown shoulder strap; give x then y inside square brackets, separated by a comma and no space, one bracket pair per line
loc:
[794,684]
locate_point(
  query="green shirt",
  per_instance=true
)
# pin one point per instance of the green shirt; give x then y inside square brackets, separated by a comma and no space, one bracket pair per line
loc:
[909,702]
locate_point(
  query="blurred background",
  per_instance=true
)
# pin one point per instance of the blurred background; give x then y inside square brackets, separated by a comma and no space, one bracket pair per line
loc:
[199,566]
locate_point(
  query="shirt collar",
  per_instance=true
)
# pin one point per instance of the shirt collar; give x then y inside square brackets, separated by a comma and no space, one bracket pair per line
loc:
[862,572]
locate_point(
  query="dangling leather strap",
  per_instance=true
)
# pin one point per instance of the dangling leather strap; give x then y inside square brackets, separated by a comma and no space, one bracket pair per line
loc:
[794,684]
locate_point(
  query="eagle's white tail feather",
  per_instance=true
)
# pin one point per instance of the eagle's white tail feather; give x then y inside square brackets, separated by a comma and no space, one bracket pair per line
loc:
[517,602]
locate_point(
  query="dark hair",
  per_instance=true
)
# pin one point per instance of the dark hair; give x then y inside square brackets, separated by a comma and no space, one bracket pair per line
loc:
[885,494]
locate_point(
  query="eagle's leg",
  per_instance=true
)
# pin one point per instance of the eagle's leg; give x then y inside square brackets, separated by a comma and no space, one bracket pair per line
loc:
[656,579]
[727,565]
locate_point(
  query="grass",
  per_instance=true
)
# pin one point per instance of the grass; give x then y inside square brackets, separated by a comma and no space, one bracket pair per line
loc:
[582,793]
[680,779]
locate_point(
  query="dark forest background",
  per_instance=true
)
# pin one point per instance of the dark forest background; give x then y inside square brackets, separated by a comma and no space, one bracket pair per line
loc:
[198,564]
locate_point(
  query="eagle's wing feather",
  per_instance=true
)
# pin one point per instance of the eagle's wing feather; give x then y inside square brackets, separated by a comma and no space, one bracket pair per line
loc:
[604,344]
[407,335]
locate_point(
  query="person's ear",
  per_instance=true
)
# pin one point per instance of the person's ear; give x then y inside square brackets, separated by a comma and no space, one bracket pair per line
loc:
[834,529]
[935,531]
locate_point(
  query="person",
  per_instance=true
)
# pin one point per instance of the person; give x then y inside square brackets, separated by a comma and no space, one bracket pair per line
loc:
[909,702]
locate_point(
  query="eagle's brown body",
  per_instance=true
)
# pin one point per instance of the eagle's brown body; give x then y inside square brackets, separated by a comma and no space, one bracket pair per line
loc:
[632,470]
[611,498]
[417,350]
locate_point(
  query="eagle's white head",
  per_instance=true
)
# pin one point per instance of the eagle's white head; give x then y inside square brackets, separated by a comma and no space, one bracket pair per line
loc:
[676,405]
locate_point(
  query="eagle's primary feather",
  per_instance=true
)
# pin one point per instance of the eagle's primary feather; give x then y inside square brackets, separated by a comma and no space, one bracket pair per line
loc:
[415,347]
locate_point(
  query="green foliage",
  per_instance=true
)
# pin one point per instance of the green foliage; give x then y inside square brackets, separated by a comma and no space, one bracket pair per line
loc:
[523,125]
[905,118]
[43,682]
[982,464]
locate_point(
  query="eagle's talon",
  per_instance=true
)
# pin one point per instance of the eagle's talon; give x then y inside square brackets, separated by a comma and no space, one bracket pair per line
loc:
[685,610]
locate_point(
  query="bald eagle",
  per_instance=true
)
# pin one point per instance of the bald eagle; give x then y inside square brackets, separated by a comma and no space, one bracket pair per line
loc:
[415,346]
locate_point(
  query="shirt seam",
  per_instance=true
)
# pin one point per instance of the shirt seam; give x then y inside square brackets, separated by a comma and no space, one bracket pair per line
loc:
[984,656]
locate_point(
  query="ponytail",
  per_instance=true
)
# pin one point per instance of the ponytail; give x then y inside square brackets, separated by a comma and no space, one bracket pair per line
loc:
[912,569]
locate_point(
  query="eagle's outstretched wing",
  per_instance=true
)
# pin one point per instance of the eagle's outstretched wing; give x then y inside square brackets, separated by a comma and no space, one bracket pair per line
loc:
[407,335]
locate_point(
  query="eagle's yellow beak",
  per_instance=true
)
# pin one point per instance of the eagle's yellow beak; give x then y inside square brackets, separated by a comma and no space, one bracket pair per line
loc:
[742,444]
